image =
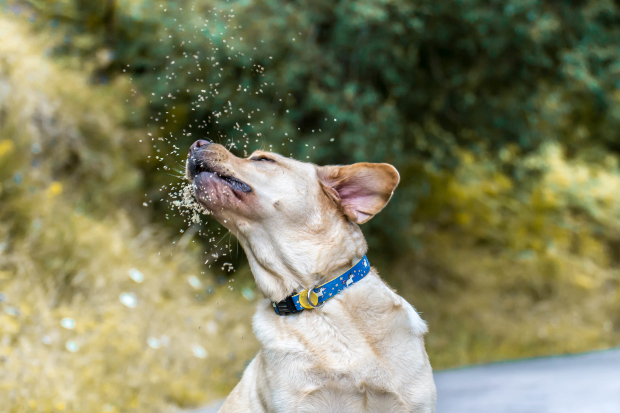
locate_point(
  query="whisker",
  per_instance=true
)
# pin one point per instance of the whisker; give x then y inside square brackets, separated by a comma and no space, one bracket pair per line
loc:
[237,237]
[218,243]
[181,177]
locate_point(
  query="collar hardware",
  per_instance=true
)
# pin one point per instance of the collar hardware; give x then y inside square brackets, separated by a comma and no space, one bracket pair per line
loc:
[308,299]
[315,297]
[285,307]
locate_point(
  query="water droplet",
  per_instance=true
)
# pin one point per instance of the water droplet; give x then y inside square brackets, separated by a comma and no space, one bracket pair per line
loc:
[68,323]
[11,311]
[129,299]
[153,342]
[199,351]
[47,340]
[136,275]
[248,293]
[195,282]
[72,346]
[211,327]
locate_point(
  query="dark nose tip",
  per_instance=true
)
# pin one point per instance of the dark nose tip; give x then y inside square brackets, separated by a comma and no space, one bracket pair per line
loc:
[198,144]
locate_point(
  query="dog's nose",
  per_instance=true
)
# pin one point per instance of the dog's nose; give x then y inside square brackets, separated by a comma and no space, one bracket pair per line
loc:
[198,144]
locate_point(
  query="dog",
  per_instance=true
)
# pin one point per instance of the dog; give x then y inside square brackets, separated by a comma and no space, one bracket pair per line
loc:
[359,346]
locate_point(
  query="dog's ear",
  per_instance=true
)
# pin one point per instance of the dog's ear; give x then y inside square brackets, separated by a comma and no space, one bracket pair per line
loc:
[362,189]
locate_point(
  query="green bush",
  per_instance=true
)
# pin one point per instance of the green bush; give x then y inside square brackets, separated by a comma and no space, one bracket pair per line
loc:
[411,83]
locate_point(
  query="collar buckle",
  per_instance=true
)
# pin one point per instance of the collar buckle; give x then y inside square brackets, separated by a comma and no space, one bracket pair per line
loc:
[285,307]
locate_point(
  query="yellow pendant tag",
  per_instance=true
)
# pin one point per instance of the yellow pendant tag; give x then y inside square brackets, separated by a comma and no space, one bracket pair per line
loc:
[303,299]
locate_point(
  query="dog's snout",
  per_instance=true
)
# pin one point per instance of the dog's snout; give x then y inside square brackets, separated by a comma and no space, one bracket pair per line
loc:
[196,158]
[198,144]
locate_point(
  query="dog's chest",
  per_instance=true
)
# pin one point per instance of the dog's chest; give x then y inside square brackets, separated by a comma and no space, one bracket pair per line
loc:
[344,379]
[336,398]
[353,361]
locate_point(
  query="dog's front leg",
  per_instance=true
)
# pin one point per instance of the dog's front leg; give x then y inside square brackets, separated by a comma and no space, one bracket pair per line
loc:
[247,397]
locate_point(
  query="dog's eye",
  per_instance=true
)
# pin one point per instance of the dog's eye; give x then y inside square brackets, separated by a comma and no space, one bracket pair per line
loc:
[261,158]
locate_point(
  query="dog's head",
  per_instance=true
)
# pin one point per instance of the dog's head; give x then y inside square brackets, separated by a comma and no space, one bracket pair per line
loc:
[296,221]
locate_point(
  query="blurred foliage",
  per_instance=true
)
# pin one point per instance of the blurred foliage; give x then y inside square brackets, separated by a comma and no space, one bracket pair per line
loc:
[502,117]
[504,271]
[77,333]
[409,83]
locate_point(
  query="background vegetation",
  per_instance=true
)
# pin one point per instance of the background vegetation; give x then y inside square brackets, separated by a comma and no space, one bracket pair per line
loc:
[502,117]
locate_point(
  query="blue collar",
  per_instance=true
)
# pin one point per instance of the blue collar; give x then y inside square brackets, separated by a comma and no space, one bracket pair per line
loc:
[315,297]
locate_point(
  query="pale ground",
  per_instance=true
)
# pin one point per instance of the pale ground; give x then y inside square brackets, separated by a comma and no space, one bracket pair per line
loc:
[583,383]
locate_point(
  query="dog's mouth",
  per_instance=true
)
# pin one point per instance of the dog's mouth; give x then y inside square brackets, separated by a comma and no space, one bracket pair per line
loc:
[201,170]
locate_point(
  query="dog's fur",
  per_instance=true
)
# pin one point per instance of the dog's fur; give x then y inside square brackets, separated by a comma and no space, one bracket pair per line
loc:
[363,350]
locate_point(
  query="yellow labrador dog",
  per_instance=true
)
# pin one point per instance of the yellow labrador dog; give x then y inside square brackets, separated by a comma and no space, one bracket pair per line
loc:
[333,336]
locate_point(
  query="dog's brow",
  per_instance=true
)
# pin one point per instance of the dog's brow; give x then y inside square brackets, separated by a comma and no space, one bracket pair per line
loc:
[270,155]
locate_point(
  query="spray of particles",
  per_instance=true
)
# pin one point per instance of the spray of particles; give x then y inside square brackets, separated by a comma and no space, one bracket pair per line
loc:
[187,205]
[200,94]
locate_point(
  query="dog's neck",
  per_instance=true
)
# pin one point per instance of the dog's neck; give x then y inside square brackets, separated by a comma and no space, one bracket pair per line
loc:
[281,268]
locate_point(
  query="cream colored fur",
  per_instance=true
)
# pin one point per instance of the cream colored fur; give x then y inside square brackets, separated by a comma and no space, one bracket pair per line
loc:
[363,351]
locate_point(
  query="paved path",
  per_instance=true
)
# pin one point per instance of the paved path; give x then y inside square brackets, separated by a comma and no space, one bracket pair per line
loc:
[583,383]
